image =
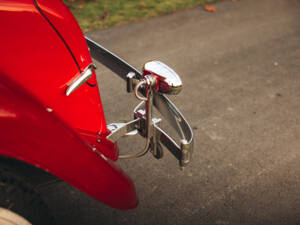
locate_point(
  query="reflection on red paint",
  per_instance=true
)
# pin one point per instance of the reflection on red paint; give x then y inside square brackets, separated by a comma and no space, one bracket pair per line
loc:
[16,6]
[4,113]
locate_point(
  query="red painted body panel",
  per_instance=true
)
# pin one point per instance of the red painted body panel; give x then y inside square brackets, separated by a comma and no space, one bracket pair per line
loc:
[34,56]
[63,20]
[53,146]
[35,70]
[99,141]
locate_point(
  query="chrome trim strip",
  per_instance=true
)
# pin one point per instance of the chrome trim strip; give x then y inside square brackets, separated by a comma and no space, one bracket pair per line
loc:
[83,77]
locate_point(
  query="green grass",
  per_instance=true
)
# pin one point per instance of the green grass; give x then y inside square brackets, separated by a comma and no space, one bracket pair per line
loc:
[95,14]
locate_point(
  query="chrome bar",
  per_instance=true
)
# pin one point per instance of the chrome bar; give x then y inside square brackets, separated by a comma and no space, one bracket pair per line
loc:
[110,60]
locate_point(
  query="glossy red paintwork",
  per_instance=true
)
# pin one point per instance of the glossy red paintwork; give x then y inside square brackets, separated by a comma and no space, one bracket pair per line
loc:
[63,20]
[34,56]
[35,70]
[51,145]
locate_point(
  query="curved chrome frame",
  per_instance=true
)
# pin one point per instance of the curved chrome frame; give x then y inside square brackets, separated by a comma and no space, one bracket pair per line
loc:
[167,109]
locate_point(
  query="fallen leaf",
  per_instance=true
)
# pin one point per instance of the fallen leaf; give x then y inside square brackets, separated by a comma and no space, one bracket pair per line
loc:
[104,15]
[142,5]
[209,8]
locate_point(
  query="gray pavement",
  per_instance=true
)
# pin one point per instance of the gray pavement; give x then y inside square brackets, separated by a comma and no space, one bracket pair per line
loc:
[240,69]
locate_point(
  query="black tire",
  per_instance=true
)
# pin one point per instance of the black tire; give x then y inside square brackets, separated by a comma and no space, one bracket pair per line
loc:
[19,196]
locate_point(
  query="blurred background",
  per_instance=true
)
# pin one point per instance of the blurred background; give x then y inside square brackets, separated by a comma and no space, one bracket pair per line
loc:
[95,14]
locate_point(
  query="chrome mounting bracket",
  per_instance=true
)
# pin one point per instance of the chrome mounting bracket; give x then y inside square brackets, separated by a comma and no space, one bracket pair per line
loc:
[147,126]
[167,82]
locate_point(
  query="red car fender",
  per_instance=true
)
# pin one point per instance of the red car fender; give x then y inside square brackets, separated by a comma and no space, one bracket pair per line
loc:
[34,134]
[34,56]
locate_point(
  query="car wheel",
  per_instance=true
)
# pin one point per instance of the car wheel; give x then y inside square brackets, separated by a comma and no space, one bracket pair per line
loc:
[8,217]
[20,203]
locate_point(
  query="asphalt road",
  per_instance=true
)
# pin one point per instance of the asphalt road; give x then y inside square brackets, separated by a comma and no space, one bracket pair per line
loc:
[240,69]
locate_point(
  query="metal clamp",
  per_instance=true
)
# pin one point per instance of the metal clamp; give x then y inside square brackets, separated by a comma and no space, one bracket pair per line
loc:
[148,82]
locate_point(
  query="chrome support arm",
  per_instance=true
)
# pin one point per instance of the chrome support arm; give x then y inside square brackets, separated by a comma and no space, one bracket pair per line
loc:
[119,130]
